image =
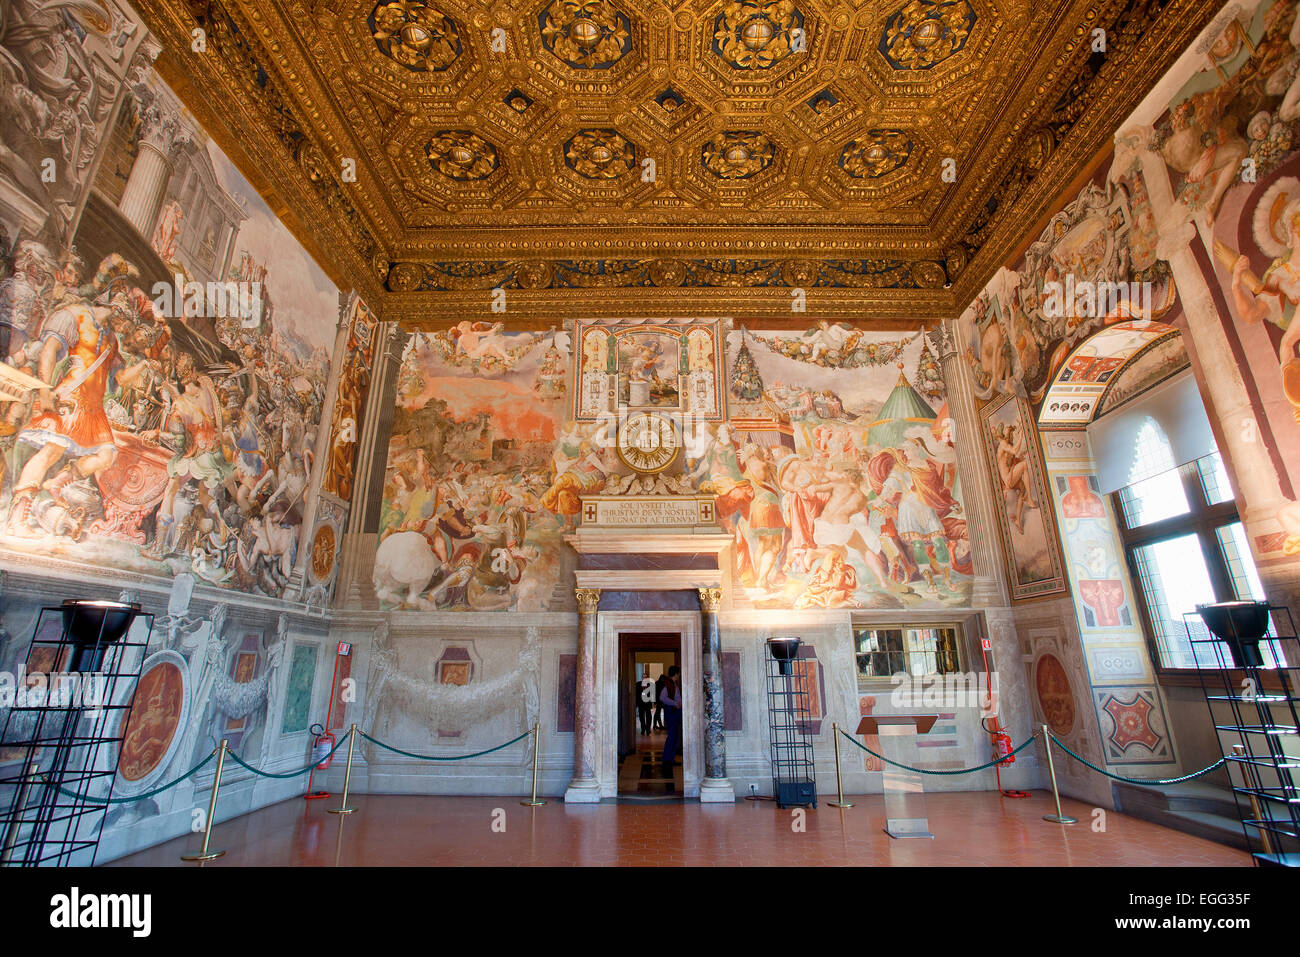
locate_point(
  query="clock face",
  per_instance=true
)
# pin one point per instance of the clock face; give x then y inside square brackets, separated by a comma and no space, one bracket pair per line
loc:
[648,442]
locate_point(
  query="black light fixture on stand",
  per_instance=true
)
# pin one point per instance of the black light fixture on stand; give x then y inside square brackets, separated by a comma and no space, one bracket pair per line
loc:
[89,671]
[1255,710]
[1240,625]
[793,775]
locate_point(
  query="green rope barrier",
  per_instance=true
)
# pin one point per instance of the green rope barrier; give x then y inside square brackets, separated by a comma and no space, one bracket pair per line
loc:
[139,797]
[930,771]
[458,757]
[1162,782]
[287,774]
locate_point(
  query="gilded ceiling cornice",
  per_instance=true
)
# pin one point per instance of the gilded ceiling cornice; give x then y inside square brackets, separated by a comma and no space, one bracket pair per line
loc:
[480,169]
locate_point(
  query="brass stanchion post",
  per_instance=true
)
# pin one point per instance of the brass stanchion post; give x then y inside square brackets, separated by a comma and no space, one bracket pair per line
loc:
[204,854]
[347,773]
[1058,817]
[534,802]
[839,781]
[1257,812]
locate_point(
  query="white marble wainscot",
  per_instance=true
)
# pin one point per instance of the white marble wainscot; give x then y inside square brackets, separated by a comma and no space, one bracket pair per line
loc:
[200,631]
[401,702]
[831,633]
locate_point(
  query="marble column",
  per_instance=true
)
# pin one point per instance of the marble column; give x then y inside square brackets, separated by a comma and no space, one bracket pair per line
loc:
[162,137]
[990,588]
[715,788]
[584,788]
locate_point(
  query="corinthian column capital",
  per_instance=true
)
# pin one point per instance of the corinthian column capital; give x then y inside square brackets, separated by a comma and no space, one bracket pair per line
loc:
[710,599]
[588,600]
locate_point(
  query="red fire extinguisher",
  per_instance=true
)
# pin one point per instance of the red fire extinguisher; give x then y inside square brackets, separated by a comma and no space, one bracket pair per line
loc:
[321,746]
[1002,747]
[325,744]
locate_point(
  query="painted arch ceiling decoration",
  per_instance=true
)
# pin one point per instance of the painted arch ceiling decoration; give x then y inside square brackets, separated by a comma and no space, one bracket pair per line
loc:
[611,154]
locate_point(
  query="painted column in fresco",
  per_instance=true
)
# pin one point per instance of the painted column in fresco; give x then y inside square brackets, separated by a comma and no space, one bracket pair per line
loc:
[989,588]
[1220,378]
[715,786]
[162,135]
[584,789]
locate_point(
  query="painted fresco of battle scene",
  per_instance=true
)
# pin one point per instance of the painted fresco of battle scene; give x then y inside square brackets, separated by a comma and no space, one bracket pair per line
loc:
[165,340]
[836,471]
[472,507]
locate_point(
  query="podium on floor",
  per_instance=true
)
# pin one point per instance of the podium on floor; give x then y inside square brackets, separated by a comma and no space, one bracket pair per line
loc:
[904,790]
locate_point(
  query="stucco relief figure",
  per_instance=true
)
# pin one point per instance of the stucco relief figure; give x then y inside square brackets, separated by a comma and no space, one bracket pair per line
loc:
[1210,156]
[987,351]
[1013,472]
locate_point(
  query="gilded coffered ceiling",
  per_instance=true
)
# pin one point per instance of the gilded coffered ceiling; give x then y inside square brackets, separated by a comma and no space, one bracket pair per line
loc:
[619,156]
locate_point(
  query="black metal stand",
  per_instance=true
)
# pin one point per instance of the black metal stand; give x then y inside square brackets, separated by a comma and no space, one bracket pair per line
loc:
[794,778]
[1257,732]
[63,735]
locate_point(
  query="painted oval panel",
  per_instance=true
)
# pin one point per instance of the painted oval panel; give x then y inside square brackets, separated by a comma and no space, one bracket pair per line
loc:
[155,716]
[1054,694]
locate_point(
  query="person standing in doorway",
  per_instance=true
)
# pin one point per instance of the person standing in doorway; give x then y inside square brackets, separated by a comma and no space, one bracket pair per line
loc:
[645,699]
[659,705]
[671,696]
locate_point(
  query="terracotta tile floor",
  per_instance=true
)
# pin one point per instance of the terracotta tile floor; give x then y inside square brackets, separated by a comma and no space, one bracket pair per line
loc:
[971,828]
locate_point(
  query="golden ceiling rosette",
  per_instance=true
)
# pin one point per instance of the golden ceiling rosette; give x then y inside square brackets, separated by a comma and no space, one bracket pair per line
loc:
[877,153]
[752,34]
[737,154]
[599,154]
[926,32]
[586,34]
[415,35]
[461,155]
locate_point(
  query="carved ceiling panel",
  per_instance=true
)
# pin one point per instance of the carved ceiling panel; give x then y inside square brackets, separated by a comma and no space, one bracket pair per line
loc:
[642,146]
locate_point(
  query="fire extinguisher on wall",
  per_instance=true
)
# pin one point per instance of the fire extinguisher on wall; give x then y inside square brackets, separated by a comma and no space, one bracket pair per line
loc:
[1003,752]
[322,745]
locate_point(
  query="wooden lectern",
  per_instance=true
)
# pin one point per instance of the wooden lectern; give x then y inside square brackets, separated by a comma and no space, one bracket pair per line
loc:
[904,791]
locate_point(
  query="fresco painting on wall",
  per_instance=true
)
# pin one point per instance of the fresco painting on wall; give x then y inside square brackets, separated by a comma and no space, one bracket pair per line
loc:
[483,473]
[1088,536]
[163,427]
[835,475]
[350,406]
[1093,265]
[1028,531]
[1133,726]
[1249,104]
[157,716]
[1153,364]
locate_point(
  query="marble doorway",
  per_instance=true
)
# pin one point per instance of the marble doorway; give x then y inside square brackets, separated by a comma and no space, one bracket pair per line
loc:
[642,775]
[611,697]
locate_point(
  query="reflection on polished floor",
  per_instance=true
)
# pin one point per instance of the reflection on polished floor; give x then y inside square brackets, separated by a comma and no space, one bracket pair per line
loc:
[971,828]
[641,775]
